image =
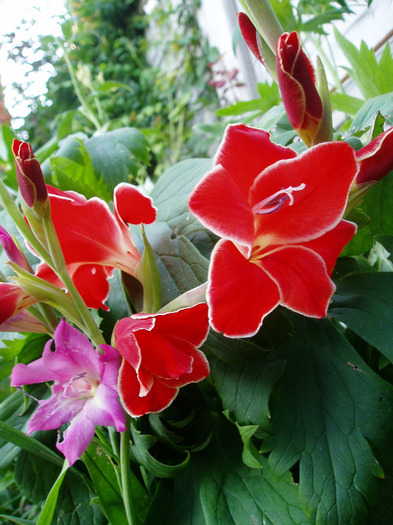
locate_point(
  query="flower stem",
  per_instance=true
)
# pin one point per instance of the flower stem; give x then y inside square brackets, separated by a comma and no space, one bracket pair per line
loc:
[125,475]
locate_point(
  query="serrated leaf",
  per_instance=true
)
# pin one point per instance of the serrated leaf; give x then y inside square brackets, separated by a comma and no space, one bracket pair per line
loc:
[364,303]
[217,488]
[329,405]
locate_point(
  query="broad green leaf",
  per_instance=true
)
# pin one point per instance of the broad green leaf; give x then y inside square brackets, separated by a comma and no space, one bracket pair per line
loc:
[80,177]
[346,103]
[217,488]
[170,196]
[330,405]
[364,303]
[116,155]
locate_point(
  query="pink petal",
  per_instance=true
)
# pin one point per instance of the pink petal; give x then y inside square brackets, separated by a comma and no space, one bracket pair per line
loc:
[223,208]
[330,245]
[302,279]
[104,408]
[376,159]
[240,294]
[23,322]
[132,206]
[12,251]
[158,398]
[77,437]
[74,355]
[54,412]
[327,172]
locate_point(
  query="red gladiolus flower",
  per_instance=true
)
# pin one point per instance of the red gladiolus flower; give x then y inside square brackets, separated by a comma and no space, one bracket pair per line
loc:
[94,240]
[279,216]
[160,355]
[376,159]
[296,80]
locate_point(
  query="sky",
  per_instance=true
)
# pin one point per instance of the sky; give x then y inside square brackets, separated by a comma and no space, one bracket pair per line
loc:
[12,13]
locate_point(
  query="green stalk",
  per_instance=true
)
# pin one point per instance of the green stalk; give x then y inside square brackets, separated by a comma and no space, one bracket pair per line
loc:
[125,475]
[86,108]
[59,265]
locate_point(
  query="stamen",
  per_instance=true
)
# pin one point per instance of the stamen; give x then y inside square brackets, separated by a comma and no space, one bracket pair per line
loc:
[275,201]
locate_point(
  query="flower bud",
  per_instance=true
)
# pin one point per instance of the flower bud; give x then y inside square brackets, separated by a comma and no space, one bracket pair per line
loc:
[29,175]
[11,249]
[296,80]
[375,159]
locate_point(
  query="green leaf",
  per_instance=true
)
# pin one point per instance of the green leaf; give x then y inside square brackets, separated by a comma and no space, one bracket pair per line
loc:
[116,155]
[329,406]
[217,488]
[140,453]
[147,273]
[371,78]
[48,510]
[105,481]
[366,114]
[28,443]
[21,521]
[364,303]
[346,103]
[68,174]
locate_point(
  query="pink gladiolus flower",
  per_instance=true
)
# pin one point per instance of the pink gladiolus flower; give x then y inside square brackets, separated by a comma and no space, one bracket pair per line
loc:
[94,240]
[160,355]
[296,80]
[84,392]
[279,216]
[375,159]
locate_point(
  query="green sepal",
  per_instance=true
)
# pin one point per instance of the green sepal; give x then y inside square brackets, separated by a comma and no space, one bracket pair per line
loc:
[148,275]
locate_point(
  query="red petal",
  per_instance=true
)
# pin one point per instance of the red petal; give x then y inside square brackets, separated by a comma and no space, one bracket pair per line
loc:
[200,368]
[249,35]
[376,159]
[89,232]
[158,398]
[246,151]
[12,300]
[132,206]
[330,245]
[240,294]
[327,170]
[301,277]
[162,357]
[91,282]
[188,324]
[220,206]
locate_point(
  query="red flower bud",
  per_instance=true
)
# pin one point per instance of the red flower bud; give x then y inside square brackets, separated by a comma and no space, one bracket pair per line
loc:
[250,35]
[296,80]
[28,171]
